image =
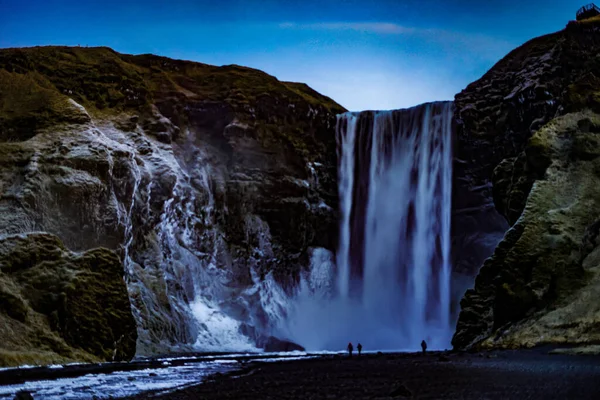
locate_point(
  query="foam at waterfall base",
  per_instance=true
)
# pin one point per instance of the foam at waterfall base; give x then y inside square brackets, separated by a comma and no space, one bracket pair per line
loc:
[319,325]
[390,285]
[217,331]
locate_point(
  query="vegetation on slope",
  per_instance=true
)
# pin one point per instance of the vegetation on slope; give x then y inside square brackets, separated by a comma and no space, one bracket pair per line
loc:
[104,79]
[36,82]
[535,115]
[58,306]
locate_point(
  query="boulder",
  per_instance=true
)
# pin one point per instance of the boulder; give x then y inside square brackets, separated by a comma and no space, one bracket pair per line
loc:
[23,395]
[275,345]
[62,306]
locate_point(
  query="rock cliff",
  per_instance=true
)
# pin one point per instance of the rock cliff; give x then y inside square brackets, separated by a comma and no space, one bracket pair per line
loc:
[526,151]
[210,183]
[57,306]
[188,198]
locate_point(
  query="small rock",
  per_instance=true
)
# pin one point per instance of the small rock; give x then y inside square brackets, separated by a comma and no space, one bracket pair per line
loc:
[23,395]
[274,344]
[401,391]
[153,374]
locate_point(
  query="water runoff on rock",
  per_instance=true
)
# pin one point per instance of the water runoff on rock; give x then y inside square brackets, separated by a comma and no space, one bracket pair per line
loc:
[391,285]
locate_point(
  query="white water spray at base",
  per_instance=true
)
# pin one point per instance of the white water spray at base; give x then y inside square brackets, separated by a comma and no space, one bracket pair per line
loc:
[392,284]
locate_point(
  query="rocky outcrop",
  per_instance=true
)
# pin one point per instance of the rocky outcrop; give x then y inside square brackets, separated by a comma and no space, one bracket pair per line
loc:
[537,271]
[211,183]
[495,116]
[57,306]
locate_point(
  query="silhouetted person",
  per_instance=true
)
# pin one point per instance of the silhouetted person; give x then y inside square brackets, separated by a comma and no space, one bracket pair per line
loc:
[350,348]
[424,346]
[359,348]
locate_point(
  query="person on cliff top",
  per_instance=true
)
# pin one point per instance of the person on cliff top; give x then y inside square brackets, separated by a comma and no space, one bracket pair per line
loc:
[424,346]
[350,348]
[359,348]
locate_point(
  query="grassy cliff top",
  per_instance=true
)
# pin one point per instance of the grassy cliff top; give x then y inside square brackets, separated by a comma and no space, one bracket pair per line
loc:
[36,79]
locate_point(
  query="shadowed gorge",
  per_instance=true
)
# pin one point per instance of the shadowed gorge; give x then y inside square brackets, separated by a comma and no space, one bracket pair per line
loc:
[220,209]
[419,219]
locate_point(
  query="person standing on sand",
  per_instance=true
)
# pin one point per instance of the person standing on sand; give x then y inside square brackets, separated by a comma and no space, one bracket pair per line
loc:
[424,346]
[359,348]
[350,348]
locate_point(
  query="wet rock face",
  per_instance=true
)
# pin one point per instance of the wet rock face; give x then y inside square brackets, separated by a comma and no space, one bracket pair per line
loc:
[495,117]
[501,154]
[59,306]
[539,284]
[210,183]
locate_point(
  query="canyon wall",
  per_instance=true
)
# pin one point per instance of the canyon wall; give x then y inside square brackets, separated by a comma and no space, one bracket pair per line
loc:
[211,184]
[526,138]
[167,205]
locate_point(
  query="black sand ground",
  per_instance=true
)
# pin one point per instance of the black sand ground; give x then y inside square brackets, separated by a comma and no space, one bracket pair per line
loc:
[501,375]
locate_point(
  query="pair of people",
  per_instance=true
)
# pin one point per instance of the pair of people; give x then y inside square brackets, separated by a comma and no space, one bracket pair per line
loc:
[351,348]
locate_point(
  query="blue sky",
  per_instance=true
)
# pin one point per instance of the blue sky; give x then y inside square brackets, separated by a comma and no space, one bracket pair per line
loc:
[363,54]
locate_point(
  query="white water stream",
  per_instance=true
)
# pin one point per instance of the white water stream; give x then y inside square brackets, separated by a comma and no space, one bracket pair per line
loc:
[393,258]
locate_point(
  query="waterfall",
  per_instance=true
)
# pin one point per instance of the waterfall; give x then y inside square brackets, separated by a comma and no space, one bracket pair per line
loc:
[387,286]
[395,190]
[393,257]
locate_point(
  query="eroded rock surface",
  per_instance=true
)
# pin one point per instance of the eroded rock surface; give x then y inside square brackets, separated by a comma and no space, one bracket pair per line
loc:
[211,183]
[519,128]
[58,306]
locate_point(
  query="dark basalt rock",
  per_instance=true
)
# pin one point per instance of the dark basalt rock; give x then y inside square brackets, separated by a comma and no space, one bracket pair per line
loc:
[274,345]
[94,144]
[23,395]
[63,305]
[270,344]
[494,119]
[497,163]
[400,391]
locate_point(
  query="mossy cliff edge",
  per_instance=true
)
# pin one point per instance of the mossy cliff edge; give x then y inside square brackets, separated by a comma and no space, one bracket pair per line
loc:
[527,158]
[58,306]
[221,180]
[202,179]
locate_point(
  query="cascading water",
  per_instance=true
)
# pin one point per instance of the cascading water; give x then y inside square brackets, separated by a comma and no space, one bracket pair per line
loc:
[189,219]
[393,267]
[190,241]
[173,249]
[388,286]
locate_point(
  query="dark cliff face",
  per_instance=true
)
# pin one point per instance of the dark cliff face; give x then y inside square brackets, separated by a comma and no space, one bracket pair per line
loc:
[495,116]
[497,164]
[202,179]
[57,306]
